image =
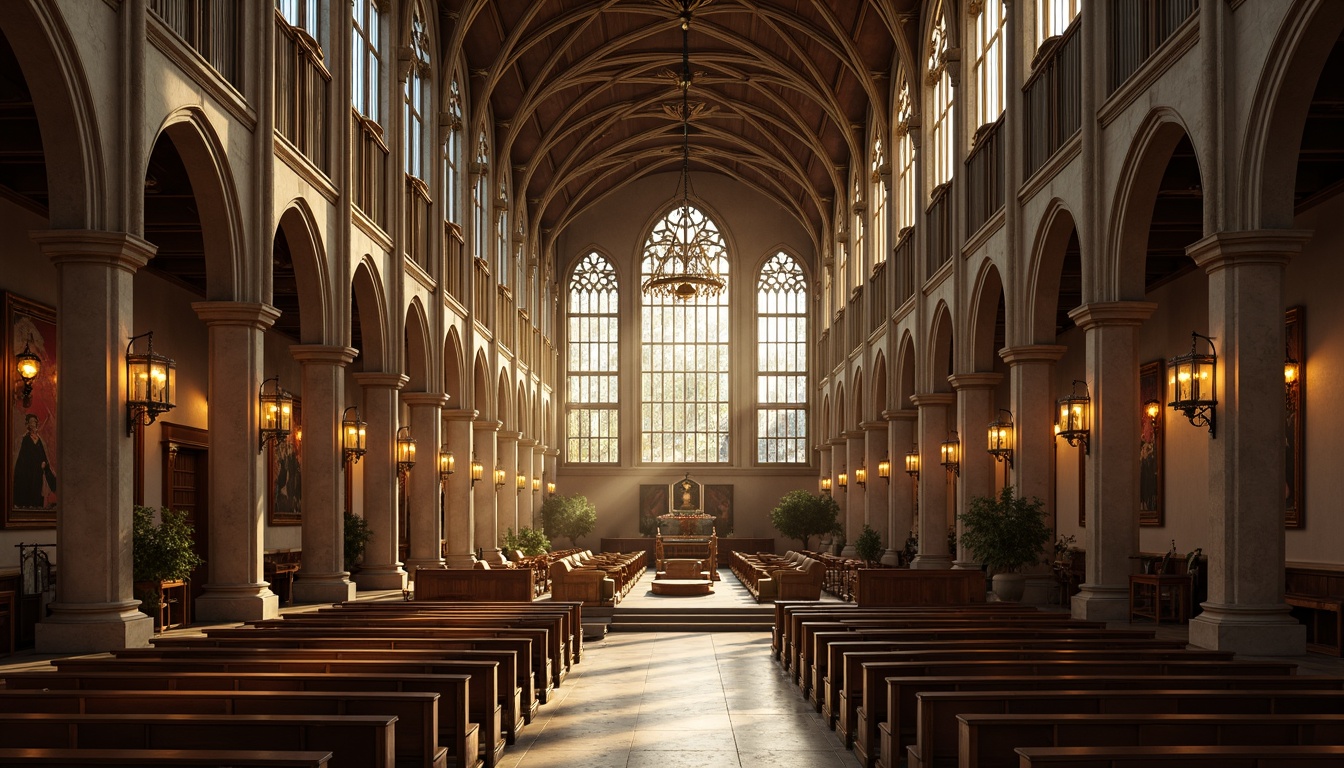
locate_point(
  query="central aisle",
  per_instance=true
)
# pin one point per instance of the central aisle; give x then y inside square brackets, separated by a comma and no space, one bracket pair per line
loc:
[655,700]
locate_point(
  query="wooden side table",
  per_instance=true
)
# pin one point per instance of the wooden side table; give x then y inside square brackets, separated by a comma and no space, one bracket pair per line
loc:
[1160,597]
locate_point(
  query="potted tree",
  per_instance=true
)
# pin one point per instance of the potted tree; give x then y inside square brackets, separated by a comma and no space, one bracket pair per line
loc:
[357,535]
[570,516]
[1006,534]
[868,546]
[801,515]
[162,557]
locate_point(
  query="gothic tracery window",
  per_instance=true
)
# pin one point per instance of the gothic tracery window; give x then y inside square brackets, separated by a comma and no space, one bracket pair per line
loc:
[939,79]
[415,99]
[989,61]
[592,419]
[366,60]
[877,201]
[781,363]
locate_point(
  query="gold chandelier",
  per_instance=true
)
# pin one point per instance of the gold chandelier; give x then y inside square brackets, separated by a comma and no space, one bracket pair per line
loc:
[683,268]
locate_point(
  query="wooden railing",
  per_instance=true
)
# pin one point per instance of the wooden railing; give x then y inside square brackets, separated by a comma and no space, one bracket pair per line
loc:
[302,88]
[939,238]
[453,248]
[1053,97]
[506,317]
[416,236]
[903,257]
[984,174]
[370,169]
[210,27]
[481,285]
[1139,27]
[879,298]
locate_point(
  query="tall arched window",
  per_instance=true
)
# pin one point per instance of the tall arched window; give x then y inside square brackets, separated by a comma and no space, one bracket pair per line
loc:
[366,60]
[453,162]
[415,98]
[503,253]
[940,81]
[989,61]
[1053,17]
[903,209]
[480,199]
[860,230]
[592,404]
[781,362]
[684,415]
[877,200]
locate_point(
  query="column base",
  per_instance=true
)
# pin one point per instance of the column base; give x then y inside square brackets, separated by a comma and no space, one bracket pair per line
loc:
[1253,630]
[890,557]
[93,628]
[460,561]
[932,562]
[1101,602]
[965,565]
[848,551]
[236,602]
[381,578]
[493,556]
[324,588]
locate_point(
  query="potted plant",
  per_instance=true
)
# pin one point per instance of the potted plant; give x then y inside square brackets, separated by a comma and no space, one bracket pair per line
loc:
[162,556]
[1006,534]
[357,535]
[570,516]
[801,515]
[868,546]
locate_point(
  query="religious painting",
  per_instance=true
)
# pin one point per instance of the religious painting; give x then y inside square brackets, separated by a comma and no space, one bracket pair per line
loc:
[284,475]
[652,503]
[31,455]
[1294,474]
[719,503]
[1150,444]
[686,493]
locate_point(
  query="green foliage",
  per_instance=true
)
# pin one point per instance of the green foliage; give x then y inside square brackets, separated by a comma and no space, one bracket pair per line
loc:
[163,552]
[801,515]
[1007,533]
[572,517]
[869,545]
[357,535]
[528,541]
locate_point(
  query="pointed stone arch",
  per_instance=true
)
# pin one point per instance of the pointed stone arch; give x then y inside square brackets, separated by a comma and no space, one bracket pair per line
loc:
[987,298]
[504,403]
[938,360]
[417,354]
[454,373]
[1056,235]
[879,399]
[858,417]
[481,398]
[371,309]
[905,371]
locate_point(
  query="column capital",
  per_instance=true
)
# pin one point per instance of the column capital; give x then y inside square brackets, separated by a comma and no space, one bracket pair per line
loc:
[1256,246]
[380,380]
[1032,353]
[487,425]
[553,452]
[931,399]
[527,442]
[838,441]
[249,314]
[1099,313]
[823,448]
[323,353]
[873,426]
[424,399]
[460,414]
[853,434]
[987,380]
[120,249]
[901,414]
[509,436]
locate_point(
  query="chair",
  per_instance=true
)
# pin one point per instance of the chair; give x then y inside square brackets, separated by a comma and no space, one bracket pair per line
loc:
[586,585]
[684,569]
[802,584]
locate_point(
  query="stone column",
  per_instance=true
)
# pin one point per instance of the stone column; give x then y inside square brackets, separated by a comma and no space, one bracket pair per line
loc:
[506,458]
[381,566]
[425,532]
[855,494]
[322,577]
[539,495]
[1031,369]
[237,590]
[934,480]
[877,506]
[1245,612]
[94,609]
[975,410]
[901,520]
[527,448]
[457,492]
[1112,502]
[485,517]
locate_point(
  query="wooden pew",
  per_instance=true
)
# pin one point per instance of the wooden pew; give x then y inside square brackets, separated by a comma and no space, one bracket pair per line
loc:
[354,740]
[509,682]
[558,619]
[989,741]
[1183,757]
[416,727]
[784,609]
[937,711]
[452,712]
[574,610]
[168,758]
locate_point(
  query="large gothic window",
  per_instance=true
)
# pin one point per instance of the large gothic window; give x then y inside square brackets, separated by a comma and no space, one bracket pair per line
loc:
[684,413]
[781,362]
[592,419]
[855,269]
[989,61]
[480,199]
[877,201]
[904,172]
[939,79]
[366,60]
[453,162]
[415,99]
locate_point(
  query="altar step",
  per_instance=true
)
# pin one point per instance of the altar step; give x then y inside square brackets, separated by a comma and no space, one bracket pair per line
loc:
[692,620]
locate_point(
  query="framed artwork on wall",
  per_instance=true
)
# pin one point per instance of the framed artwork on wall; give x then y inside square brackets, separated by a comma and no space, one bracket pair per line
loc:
[1151,412]
[1294,467]
[31,454]
[652,503]
[284,475]
[719,503]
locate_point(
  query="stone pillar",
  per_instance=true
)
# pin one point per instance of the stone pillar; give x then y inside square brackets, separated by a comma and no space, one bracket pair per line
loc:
[539,471]
[507,460]
[934,480]
[877,505]
[425,532]
[94,609]
[527,451]
[901,494]
[975,410]
[322,577]
[381,566]
[237,590]
[485,517]
[457,492]
[855,494]
[1031,369]
[1112,503]
[1245,612]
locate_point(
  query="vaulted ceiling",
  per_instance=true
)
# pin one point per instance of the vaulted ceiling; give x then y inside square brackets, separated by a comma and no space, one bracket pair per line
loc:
[585,98]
